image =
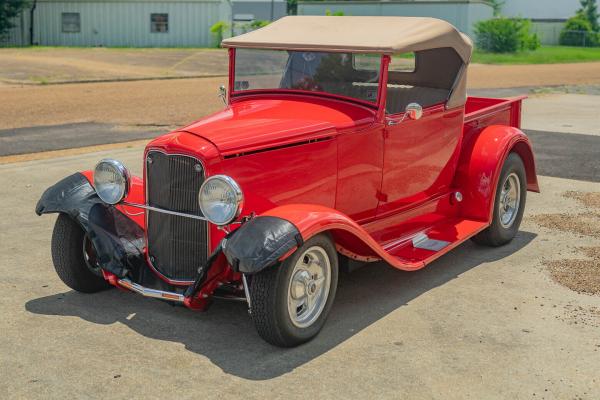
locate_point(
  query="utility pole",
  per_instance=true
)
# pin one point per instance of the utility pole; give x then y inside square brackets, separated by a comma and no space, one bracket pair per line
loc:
[31,21]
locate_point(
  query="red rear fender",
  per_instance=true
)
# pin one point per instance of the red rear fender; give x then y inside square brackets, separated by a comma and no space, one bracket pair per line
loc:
[480,165]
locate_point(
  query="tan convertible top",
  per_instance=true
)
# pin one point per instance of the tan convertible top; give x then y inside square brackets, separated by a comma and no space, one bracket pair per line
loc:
[387,35]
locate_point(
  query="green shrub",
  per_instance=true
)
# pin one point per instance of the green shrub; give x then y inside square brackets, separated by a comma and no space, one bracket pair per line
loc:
[505,35]
[334,14]
[578,32]
[259,24]
[218,32]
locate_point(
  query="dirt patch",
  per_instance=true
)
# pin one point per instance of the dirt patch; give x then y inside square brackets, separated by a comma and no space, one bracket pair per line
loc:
[587,223]
[506,76]
[588,199]
[160,103]
[51,65]
[581,275]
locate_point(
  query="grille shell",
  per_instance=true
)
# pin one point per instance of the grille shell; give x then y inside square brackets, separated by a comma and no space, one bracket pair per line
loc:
[176,245]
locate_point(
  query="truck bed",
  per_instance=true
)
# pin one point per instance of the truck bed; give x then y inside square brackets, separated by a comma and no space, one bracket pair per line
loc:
[484,111]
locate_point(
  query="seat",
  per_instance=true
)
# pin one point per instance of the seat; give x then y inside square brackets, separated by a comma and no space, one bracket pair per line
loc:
[399,96]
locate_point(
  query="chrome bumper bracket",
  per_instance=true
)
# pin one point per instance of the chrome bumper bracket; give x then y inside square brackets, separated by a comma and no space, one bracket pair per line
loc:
[147,292]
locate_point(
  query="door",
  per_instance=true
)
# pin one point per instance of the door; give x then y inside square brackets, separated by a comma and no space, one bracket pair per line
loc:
[420,157]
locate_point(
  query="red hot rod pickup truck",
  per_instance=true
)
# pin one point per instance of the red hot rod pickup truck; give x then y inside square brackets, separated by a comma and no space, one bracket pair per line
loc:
[343,139]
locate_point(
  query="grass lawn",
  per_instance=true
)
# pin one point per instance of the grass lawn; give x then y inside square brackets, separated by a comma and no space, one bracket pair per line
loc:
[543,55]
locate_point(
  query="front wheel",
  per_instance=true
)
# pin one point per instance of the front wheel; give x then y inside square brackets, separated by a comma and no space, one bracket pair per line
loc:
[509,204]
[74,257]
[290,301]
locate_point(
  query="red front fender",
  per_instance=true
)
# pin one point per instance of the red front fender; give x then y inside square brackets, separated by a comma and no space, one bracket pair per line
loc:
[350,238]
[135,195]
[480,165]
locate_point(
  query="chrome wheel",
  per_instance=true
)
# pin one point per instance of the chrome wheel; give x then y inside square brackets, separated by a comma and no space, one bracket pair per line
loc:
[510,199]
[309,286]
[89,256]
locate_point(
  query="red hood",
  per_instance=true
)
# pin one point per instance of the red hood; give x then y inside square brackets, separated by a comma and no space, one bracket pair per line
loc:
[258,123]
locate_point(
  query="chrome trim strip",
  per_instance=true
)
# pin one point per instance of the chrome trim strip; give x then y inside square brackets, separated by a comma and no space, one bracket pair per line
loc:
[161,210]
[147,292]
[247,293]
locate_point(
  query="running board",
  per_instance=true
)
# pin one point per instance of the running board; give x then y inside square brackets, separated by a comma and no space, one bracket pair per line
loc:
[147,292]
[422,241]
[431,242]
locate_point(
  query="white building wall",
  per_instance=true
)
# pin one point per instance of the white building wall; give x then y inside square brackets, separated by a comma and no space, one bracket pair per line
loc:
[462,14]
[260,9]
[548,32]
[127,22]
[541,9]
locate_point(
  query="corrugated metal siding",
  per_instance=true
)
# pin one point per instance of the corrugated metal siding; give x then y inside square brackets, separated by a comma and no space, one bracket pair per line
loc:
[537,9]
[548,32]
[462,14]
[260,9]
[127,23]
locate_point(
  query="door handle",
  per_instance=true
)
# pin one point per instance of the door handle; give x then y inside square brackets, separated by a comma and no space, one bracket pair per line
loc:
[393,122]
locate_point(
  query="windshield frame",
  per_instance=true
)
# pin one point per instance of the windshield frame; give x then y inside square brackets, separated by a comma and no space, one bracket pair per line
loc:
[239,94]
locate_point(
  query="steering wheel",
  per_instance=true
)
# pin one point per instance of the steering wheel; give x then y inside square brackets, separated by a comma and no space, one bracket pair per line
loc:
[308,83]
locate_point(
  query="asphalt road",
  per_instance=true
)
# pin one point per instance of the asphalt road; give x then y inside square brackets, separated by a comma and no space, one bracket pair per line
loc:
[67,136]
[566,156]
[558,155]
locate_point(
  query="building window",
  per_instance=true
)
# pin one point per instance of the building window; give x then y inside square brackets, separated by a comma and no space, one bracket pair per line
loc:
[71,22]
[159,23]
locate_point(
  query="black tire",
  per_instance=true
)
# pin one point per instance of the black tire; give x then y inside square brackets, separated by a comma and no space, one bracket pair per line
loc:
[68,257]
[496,234]
[269,296]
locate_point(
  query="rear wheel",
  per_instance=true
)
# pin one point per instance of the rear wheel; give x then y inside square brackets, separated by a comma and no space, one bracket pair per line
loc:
[509,204]
[74,257]
[290,302]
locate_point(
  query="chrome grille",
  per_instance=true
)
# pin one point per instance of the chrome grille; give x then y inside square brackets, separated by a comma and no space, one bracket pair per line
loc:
[177,245]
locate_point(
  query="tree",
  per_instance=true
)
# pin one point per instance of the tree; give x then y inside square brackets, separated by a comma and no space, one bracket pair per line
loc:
[578,32]
[589,11]
[9,9]
[497,6]
[292,7]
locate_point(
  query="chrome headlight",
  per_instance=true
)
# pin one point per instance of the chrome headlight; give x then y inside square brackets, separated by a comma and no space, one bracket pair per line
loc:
[111,181]
[221,199]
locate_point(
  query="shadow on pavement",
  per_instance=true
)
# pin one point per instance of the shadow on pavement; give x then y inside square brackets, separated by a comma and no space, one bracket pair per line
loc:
[226,335]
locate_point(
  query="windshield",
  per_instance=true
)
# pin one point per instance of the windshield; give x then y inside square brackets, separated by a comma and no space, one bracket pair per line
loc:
[343,74]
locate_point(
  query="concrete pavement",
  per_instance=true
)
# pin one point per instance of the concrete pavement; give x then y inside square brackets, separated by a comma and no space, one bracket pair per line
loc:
[481,323]
[478,323]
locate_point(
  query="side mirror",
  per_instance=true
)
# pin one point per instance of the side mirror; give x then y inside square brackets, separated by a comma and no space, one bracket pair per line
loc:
[223,94]
[414,111]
